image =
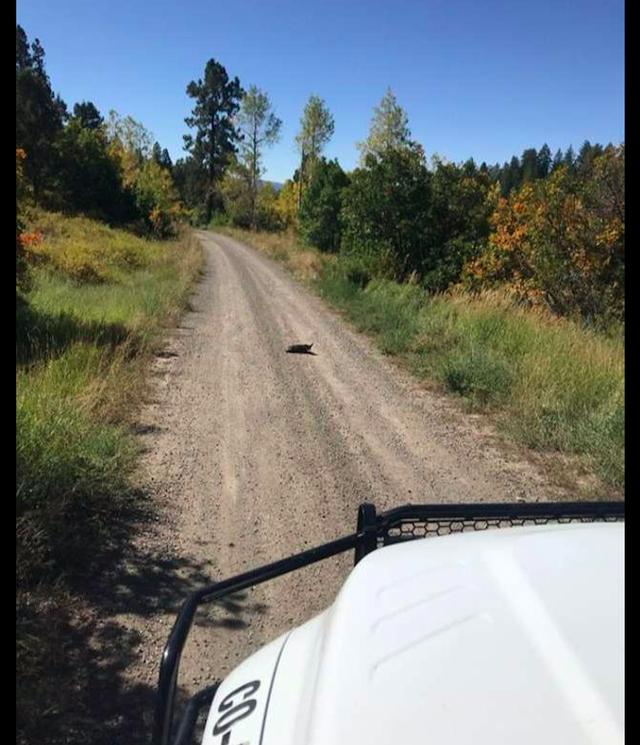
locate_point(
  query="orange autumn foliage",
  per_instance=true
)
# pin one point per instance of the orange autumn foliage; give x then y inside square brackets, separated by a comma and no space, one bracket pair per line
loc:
[560,242]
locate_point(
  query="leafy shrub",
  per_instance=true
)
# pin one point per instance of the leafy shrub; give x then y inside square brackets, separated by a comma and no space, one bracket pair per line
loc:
[90,179]
[287,205]
[22,244]
[560,242]
[157,199]
[385,211]
[268,217]
[86,250]
[320,223]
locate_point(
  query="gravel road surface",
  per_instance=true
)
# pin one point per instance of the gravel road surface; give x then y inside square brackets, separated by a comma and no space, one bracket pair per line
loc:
[253,454]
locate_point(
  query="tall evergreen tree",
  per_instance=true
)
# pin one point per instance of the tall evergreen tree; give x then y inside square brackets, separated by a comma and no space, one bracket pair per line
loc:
[529,164]
[544,161]
[190,179]
[217,100]
[505,177]
[24,58]
[495,171]
[89,178]
[558,160]
[39,114]
[88,115]
[165,160]
[515,173]
[469,167]
[161,156]
[570,158]
[586,156]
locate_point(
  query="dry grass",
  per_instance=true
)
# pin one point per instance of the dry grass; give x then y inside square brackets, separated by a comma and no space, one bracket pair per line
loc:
[552,384]
[306,264]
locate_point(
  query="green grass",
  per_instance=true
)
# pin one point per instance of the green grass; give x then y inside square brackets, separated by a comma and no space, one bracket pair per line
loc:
[83,345]
[550,383]
[99,303]
[72,465]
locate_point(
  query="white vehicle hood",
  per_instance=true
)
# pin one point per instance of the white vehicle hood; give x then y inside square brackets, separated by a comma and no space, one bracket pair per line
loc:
[511,636]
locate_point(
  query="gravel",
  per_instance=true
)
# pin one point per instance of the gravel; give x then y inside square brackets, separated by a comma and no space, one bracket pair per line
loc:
[253,454]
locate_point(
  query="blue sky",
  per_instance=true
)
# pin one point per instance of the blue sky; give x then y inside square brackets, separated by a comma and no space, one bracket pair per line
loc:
[483,79]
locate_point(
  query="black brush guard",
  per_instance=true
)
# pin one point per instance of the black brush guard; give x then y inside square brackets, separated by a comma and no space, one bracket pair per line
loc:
[373,531]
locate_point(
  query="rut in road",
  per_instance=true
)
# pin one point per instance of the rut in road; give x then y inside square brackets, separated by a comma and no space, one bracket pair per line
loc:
[256,454]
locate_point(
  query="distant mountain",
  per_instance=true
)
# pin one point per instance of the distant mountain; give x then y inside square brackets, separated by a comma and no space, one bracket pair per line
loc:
[276,185]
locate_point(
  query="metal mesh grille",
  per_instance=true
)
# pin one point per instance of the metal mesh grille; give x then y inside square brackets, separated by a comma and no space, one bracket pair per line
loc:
[408,529]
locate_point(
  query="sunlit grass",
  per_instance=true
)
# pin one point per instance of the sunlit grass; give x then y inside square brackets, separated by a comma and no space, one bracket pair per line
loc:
[82,351]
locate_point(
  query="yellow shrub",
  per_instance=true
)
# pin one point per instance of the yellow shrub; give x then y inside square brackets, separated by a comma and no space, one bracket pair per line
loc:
[86,250]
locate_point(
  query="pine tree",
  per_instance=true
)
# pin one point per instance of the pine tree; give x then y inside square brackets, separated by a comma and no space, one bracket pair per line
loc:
[217,100]
[506,179]
[515,173]
[570,158]
[529,164]
[544,161]
[586,156]
[583,161]
[39,114]
[558,160]
[165,160]
[88,115]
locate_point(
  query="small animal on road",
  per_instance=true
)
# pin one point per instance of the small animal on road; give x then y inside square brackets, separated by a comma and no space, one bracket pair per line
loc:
[300,349]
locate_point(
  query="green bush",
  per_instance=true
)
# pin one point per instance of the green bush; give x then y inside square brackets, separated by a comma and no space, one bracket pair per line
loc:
[320,222]
[386,209]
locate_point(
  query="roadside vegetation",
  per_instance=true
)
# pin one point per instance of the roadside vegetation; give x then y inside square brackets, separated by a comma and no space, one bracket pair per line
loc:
[104,265]
[555,385]
[549,382]
[99,303]
[103,262]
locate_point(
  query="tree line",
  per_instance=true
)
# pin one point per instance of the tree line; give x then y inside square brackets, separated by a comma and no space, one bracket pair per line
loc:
[538,164]
[547,229]
[79,161]
[550,229]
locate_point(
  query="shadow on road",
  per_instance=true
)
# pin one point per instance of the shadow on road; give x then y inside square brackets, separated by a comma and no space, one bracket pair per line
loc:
[78,645]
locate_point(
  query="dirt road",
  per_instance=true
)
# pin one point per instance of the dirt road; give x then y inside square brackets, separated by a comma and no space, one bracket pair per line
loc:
[256,454]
